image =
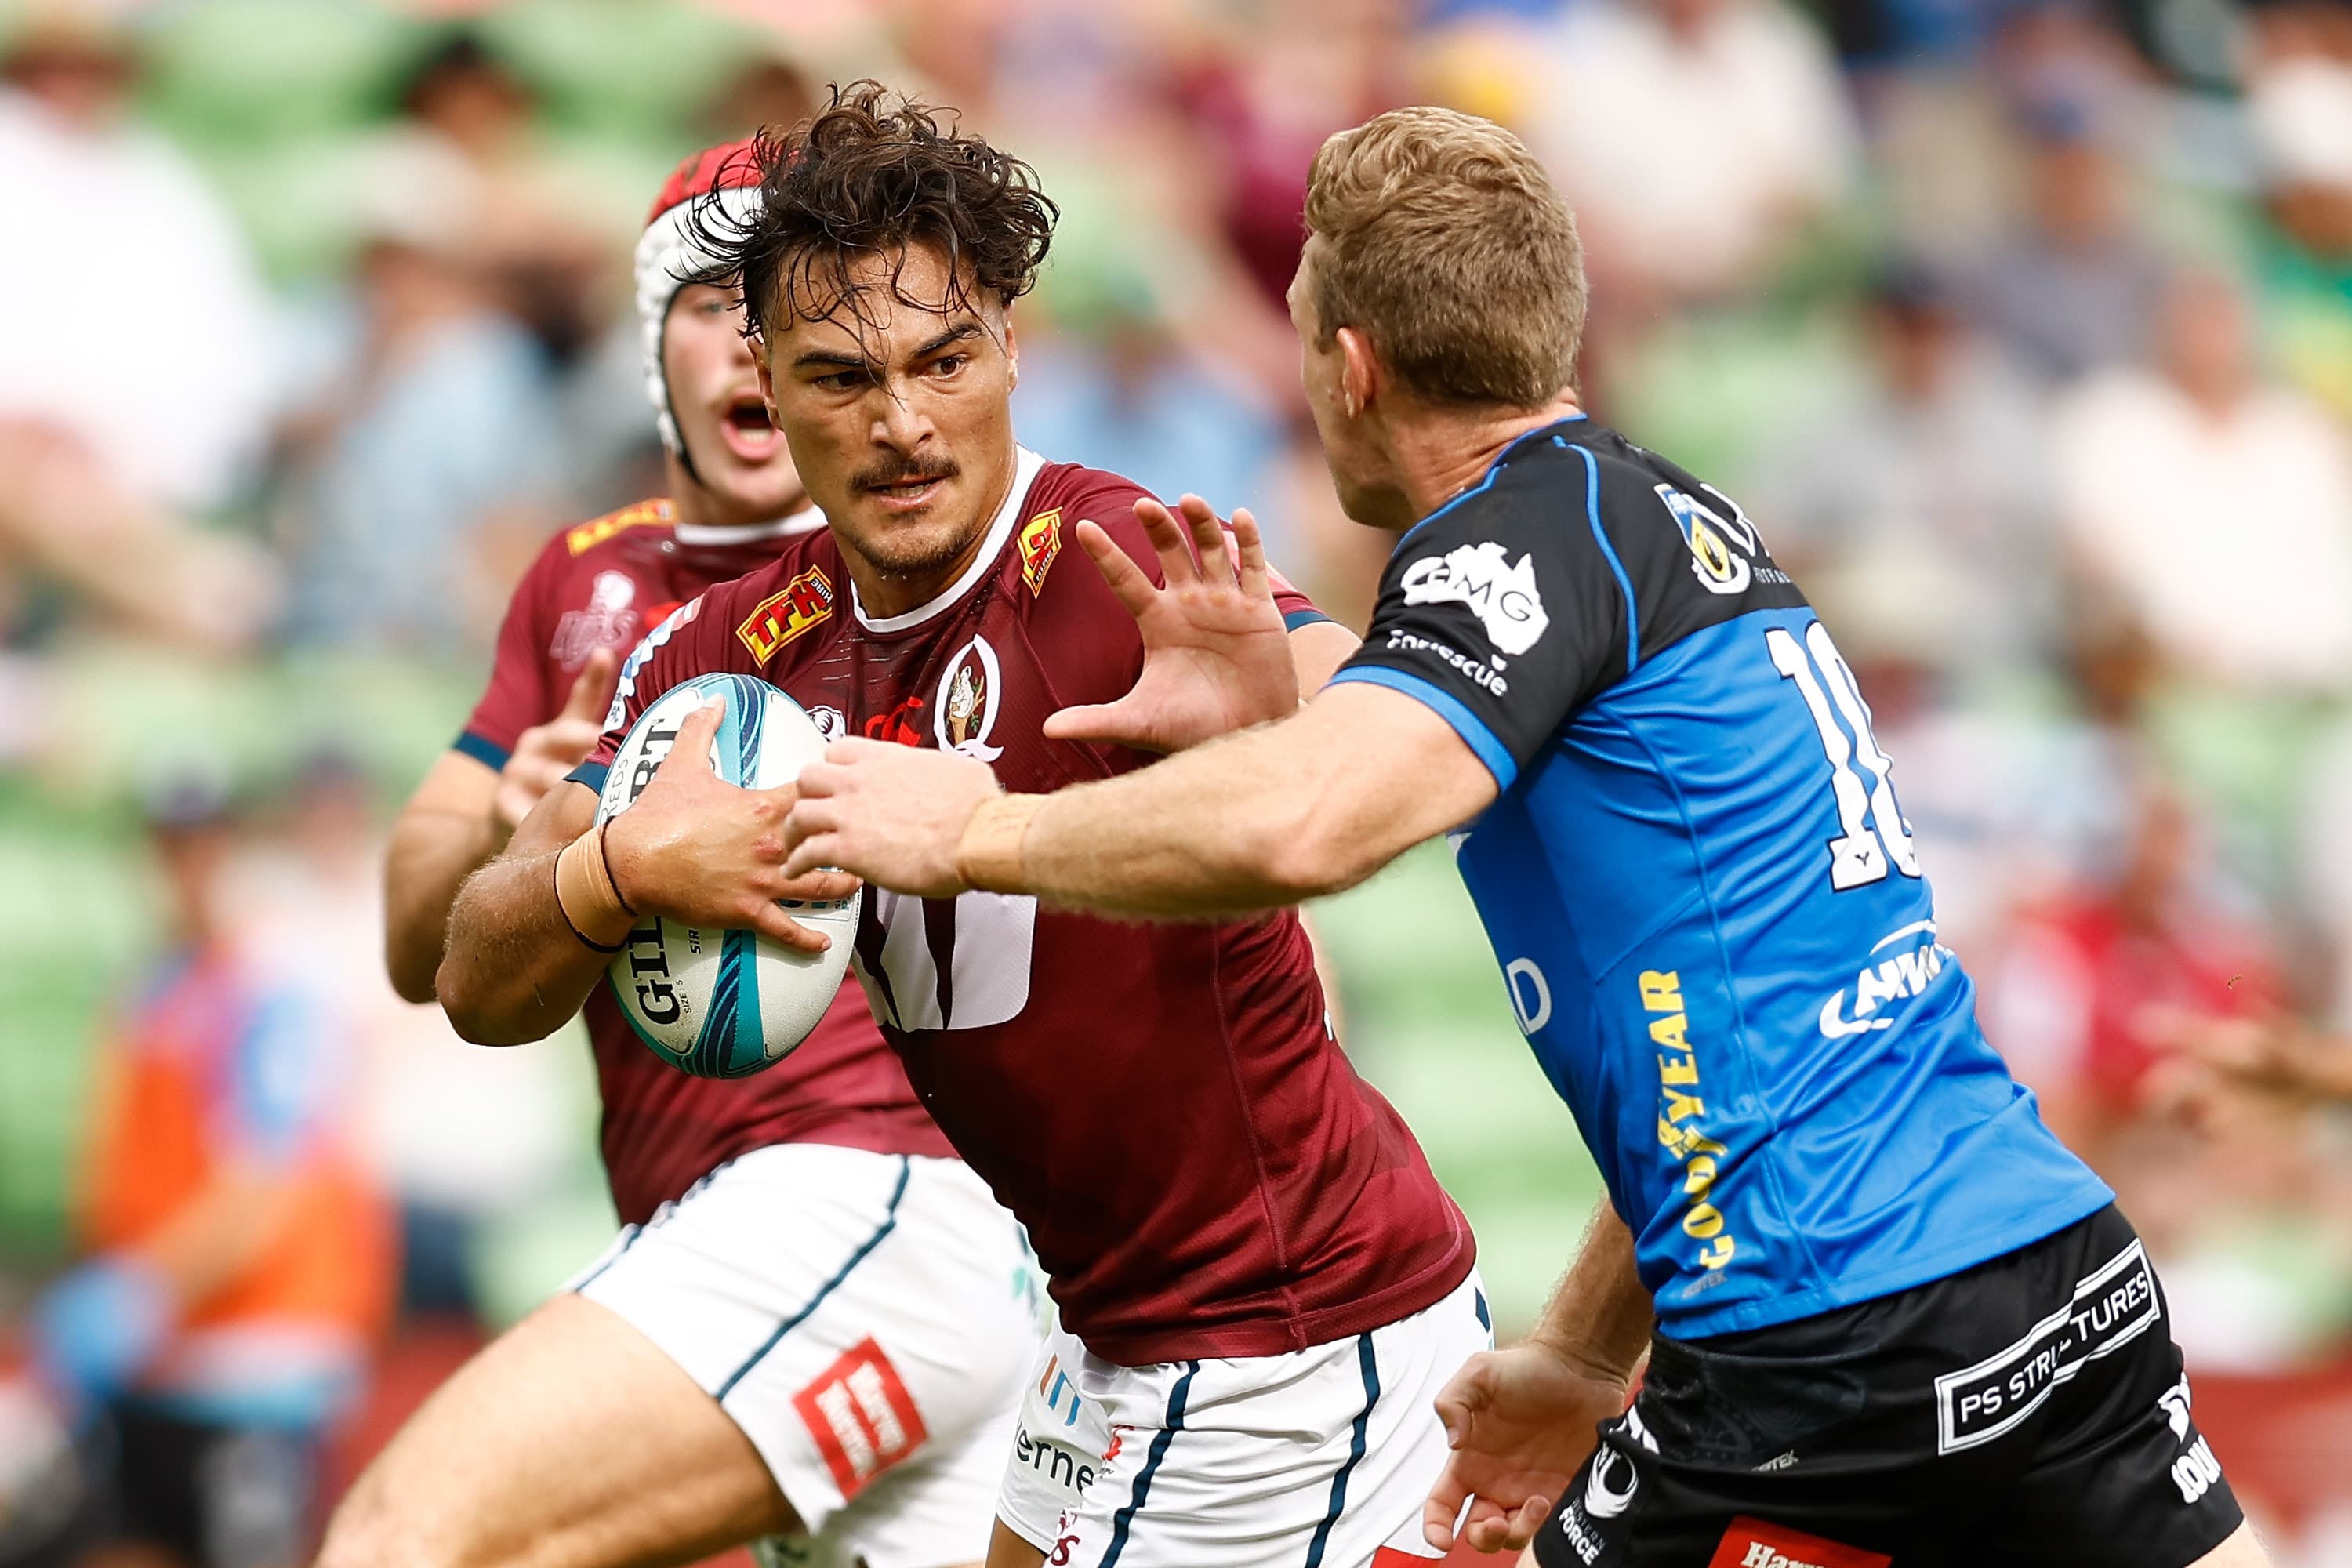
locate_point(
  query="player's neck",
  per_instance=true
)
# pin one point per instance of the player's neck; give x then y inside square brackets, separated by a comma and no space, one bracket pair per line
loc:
[695,505]
[1438,453]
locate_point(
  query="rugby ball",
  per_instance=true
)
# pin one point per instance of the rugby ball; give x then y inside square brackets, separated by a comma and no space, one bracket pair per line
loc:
[725,1004]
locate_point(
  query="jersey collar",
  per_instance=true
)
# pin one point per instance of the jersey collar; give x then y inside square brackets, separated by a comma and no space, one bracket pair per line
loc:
[1502,460]
[714,536]
[1025,466]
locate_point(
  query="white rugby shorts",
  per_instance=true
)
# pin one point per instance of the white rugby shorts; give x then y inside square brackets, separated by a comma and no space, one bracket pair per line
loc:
[865,1319]
[1321,1457]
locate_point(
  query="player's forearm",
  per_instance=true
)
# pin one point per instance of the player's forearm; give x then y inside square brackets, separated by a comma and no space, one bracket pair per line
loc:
[2334,1073]
[430,856]
[1227,828]
[514,970]
[1600,1315]
[2322,1068]
[1273,816]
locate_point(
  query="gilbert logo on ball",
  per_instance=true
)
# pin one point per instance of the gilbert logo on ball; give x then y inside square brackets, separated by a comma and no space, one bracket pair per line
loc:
[723,1004]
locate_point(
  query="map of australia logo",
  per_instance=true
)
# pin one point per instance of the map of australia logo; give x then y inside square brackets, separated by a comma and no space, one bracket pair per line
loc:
[1504,597]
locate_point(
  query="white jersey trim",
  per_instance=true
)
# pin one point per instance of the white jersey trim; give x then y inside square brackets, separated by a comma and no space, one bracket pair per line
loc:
[698,535]
[1026,466]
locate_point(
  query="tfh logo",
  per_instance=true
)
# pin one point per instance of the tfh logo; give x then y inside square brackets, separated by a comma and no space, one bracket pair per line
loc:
[801,603]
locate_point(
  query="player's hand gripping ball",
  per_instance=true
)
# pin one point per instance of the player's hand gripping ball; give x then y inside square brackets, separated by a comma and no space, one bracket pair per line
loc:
[725,1004]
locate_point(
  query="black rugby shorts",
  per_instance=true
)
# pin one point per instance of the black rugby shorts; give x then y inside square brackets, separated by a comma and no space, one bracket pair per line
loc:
[2030,1411]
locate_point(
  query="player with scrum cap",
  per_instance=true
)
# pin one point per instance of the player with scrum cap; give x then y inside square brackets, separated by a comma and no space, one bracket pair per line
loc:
[813,1320]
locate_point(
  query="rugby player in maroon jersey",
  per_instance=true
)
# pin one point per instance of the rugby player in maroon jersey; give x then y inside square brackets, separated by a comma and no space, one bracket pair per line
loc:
[1261,1285]
[654,1412]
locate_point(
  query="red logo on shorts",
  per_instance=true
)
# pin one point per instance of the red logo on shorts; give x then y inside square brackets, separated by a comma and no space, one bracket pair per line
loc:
[1752,1544]
[861,1415]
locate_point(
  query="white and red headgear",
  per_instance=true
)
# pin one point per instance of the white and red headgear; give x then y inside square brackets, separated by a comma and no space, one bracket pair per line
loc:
[716,187]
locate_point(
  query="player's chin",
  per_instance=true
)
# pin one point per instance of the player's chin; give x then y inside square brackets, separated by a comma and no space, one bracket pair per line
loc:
[908,542]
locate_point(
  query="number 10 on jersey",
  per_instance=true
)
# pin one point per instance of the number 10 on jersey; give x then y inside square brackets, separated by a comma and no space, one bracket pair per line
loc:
[1871,827]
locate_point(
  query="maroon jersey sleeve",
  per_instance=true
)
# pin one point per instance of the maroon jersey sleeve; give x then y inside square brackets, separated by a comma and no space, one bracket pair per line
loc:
[517,696]
[1091,495]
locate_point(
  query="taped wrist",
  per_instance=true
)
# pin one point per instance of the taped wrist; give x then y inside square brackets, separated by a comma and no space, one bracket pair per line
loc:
[988,855]
[586,896]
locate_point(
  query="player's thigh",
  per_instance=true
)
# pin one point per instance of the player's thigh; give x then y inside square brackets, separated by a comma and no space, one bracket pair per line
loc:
[1006,1548]
[866,1320]
[570,1441]
[1324,1455]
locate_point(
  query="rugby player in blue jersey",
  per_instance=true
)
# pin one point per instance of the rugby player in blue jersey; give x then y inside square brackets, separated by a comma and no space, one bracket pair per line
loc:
[1890,1319]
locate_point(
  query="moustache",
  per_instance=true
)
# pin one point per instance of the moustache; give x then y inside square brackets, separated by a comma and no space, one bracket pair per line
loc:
[907,470]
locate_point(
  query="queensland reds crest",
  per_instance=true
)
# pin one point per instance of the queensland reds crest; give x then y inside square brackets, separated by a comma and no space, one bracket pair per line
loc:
[971,692]
[607,622]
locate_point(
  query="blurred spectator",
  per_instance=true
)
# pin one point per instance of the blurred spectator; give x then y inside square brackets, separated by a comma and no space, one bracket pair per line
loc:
[2301,110]
[2074,289]
[1912,35]
[459,1135]
[1122,395]
[135,349]
[2217,504]
[773,91]
[1938,462]
[1265,104]
[66,518]
[2080,965]
[544,234]
[2012,802]
[1696,139]
[237,1265]
[432,455]
[135,322]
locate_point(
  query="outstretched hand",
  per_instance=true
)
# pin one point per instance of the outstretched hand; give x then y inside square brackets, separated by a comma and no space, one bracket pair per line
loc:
[545,754]
[1216,657]
[1521,1422]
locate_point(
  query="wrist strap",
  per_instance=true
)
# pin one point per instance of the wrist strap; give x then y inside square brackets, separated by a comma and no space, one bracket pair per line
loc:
[988,855]
[585,897]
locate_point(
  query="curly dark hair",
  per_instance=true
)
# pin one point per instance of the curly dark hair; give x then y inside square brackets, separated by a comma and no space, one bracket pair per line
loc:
[875,171]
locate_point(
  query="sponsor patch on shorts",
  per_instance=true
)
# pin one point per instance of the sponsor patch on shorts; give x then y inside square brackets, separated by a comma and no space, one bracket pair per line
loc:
[1753,1544]
[2112,1305]
[861,1416]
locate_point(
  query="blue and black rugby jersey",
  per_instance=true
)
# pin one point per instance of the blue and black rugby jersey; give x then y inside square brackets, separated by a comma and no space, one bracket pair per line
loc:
[1707,907]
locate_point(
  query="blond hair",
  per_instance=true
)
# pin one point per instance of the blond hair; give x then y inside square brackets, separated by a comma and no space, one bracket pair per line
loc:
[1444,243]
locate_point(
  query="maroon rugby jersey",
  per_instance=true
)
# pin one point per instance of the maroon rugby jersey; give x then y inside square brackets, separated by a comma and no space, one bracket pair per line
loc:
[604,584]
[1199,1170]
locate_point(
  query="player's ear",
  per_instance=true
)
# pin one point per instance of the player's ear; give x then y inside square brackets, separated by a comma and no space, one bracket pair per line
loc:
[1360,370]
[767,383]
[1012,353]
